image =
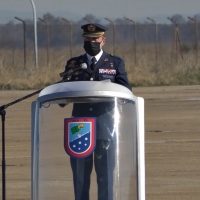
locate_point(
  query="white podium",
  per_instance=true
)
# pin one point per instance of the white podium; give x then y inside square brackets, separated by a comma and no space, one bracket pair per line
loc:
[55,131]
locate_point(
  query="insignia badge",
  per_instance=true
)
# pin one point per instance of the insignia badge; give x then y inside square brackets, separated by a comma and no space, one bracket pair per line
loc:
[107,71]
[106,60]
[111,64]
[79,136]
[91,79]
[91,28]
[72,63]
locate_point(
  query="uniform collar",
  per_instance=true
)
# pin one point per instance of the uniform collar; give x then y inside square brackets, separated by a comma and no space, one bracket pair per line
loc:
[98,56]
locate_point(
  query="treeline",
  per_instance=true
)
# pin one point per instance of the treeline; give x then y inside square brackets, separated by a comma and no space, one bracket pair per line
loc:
[57,31]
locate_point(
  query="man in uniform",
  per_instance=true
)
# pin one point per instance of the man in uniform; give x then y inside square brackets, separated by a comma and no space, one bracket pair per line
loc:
[100,66]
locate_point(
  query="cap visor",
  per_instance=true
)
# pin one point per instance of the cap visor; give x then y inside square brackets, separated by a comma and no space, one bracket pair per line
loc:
[92,35]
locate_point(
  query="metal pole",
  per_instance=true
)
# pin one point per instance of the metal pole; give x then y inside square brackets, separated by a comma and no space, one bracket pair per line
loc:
[176,28]
[86,19]
[35,34]
[24,25]
[47,33]
[70,35]
[196,27]
[113,33]
[134,38]
[3,113]
[177,38]
[156,38]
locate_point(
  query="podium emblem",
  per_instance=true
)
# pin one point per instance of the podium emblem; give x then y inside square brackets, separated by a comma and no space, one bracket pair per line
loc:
[79,136]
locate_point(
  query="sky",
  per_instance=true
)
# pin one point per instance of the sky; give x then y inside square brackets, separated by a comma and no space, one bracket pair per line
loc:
[75,9]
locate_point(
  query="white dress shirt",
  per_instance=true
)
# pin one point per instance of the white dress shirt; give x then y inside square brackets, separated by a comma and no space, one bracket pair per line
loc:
[98,56]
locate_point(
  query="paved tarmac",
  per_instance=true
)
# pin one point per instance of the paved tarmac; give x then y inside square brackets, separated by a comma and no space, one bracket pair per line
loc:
[172,143]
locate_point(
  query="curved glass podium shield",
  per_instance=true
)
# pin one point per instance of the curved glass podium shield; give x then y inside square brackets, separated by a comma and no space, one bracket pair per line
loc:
[88,136]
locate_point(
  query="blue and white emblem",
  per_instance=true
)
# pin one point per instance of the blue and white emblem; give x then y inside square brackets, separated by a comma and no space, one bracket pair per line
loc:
[79,136]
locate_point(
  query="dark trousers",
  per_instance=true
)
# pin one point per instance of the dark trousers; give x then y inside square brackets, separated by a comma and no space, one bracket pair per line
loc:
[104,162]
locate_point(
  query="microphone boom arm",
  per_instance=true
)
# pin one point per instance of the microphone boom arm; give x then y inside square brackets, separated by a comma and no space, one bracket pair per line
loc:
[23,98]
[3,113]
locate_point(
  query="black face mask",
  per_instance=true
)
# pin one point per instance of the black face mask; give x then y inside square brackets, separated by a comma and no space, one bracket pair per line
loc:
[92,48]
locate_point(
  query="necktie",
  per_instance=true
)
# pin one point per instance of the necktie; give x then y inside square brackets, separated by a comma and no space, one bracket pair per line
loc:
[92,66]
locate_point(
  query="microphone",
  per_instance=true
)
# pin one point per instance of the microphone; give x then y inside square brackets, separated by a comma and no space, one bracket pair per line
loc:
[71,71]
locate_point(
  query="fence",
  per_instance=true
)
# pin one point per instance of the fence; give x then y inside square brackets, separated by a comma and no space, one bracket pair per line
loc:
[174,47]
[58,39]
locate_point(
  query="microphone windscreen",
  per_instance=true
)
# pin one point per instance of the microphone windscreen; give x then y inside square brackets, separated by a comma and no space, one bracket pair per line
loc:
[83,66]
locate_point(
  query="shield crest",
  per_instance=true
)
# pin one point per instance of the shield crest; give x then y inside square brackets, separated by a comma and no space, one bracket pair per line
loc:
[79,136]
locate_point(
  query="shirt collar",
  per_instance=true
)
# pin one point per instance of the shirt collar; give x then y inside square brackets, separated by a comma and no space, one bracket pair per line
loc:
[98,56]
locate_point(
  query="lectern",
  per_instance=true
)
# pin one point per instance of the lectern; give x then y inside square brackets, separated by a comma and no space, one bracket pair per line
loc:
[58,134]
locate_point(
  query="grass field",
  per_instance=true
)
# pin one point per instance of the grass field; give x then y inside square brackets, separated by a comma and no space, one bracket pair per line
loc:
[142,67]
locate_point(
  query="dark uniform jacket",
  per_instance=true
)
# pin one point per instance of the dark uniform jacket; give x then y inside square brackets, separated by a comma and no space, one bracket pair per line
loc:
[108,67]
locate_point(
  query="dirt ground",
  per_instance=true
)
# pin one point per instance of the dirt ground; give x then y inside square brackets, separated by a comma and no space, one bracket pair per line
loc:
[172,143]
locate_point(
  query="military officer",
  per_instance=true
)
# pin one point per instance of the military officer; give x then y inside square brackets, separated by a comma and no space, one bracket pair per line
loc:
[100,66]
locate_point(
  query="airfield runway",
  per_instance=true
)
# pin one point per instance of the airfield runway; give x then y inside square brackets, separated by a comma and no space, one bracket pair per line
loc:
[172,143]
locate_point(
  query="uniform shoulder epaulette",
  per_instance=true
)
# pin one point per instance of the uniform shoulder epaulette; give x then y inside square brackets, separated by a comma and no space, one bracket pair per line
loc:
[115,56]
[73,58]
[76,58]
[81,56]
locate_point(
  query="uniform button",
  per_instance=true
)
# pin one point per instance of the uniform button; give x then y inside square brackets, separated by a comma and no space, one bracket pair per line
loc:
[90,109]
[91,79]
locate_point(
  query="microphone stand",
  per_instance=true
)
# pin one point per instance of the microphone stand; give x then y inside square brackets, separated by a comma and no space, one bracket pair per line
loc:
[3,114]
